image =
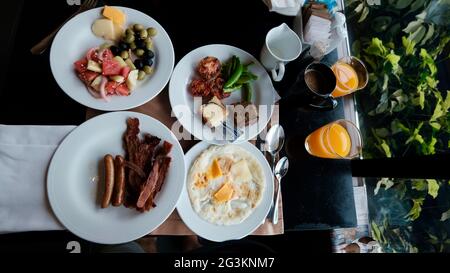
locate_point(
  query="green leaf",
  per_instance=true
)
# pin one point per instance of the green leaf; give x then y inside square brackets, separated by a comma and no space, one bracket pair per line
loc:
[415,136]
[416,209]
[413,26]
[385,82]
[431,149]
[383,105]
[364,14]
[421,98]
[409,45]
[359,8]
[401,4]
[437,113]
[431,81]
[428,61]
[446,103]
[393,59]
[436,125]
[419,185]
[422,15]
[445,216]
[417,4]
[433,188]
[397,127]
[386,182]
[442,44]
[376,232]
[386,149]
[418,35]
[376,47]
[429,34]
[382,132]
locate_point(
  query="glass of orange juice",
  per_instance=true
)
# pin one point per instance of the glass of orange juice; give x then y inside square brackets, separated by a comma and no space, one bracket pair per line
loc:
[340,139]
[351,75]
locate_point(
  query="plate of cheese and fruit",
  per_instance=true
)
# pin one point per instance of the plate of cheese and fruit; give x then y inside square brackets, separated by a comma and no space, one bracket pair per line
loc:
[112,58]
[228,191]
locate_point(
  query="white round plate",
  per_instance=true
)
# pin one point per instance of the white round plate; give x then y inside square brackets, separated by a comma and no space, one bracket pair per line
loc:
[220,233]
[183,102]
[74,40]
[75,194]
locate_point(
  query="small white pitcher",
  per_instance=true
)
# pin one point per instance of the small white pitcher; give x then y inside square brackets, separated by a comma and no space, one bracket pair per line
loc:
[282,46]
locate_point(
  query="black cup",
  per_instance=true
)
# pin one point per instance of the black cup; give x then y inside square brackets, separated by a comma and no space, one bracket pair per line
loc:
[312,89]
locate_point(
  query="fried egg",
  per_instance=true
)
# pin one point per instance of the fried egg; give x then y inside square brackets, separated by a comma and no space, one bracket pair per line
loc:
[225,184]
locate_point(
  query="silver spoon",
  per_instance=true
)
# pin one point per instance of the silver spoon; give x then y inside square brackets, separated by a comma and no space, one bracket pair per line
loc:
[274,142]
[280,171]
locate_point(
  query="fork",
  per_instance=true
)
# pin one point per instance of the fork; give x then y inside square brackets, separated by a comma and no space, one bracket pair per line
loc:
[40,47]
[235,132]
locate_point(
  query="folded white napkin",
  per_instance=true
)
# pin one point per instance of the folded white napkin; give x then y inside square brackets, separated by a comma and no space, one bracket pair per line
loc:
[317,29]
[25,153]
[284,6]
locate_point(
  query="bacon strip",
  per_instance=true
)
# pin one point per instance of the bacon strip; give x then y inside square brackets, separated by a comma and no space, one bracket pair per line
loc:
[163,169]
[149,186]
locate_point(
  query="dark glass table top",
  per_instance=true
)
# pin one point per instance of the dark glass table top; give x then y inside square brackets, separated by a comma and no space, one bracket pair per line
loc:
[317,193]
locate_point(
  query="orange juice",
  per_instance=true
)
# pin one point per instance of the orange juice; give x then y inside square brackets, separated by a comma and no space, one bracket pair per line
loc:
[346,79]
[329,141]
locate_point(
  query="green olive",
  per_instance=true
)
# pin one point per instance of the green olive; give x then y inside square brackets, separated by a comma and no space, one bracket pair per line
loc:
[133,46]
[139,52]
[129,31]
[152,31]
[148,70]
[129,39]
[124,54]
[138,27]
[149,45]
[141,75]
[143,34]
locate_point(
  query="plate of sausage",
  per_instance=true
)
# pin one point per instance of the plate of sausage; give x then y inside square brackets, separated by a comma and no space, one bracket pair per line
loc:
[116,177]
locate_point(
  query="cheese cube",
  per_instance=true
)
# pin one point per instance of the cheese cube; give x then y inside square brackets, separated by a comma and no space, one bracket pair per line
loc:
[214,171]
[116,15]
[224,194]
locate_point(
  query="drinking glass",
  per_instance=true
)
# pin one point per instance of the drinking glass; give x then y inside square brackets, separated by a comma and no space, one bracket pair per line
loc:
[340,139]
[351,75]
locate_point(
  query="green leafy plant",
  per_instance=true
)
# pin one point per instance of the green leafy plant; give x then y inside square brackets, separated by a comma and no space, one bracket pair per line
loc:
[403,109]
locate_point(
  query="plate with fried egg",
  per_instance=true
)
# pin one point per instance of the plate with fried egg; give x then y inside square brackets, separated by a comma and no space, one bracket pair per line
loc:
[228,191]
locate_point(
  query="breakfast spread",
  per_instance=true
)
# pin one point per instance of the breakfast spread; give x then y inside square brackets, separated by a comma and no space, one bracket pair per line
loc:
[225,184]
[115,68]
[136,179]
[217,82]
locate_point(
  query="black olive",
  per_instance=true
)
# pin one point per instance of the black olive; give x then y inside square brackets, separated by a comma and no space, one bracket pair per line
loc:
[139,64]
[115,50]
[147,61]
[124,46]
[149,53]
[140,44]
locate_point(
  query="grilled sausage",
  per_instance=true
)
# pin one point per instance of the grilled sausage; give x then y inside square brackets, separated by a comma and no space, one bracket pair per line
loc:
[109,180]
[119,181]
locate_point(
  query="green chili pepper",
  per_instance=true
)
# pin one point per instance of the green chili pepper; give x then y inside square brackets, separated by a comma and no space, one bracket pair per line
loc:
[232,88]
[235,75]
[248,93]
